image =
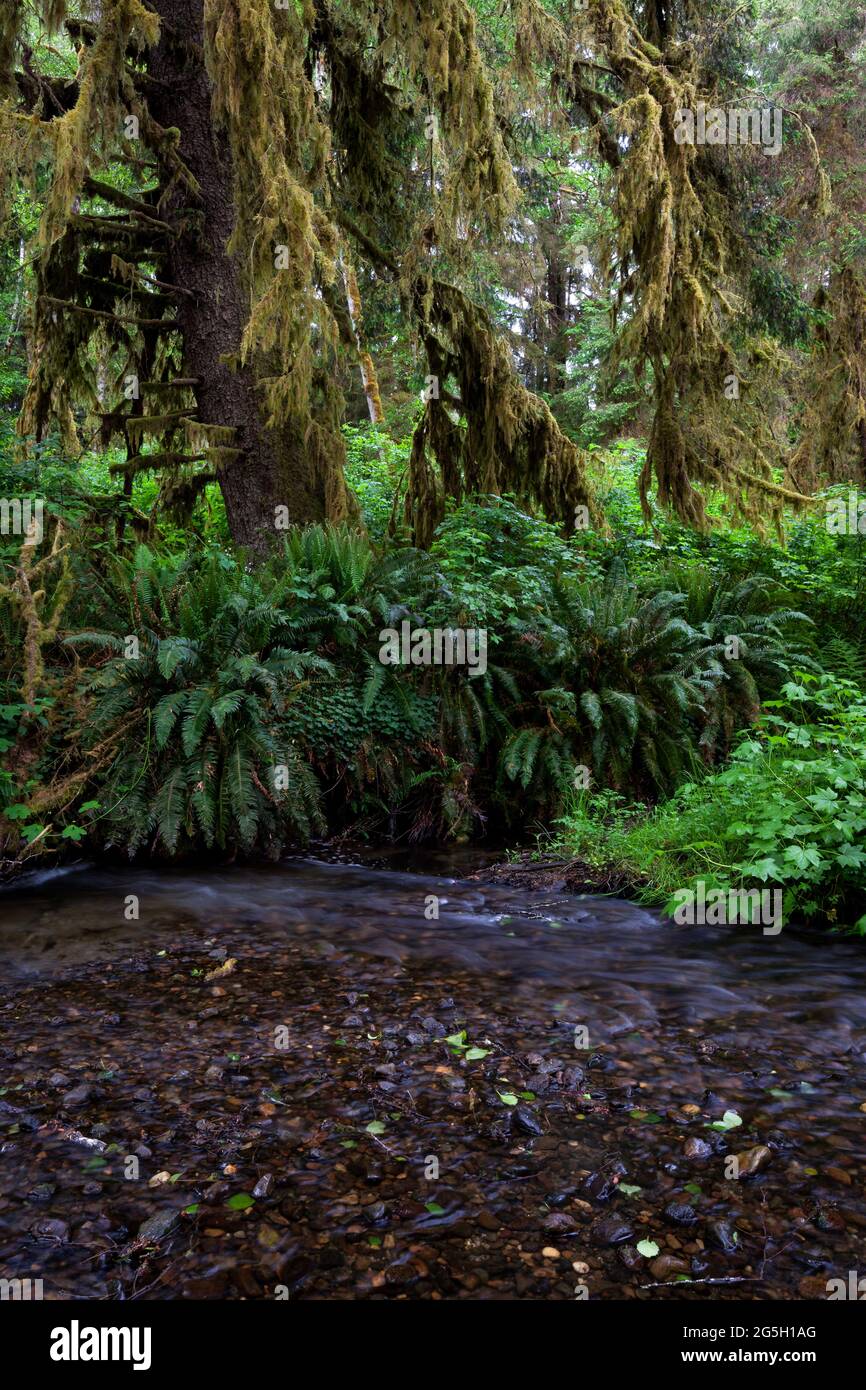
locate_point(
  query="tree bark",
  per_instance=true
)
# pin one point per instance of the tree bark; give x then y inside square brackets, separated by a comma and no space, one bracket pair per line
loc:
[369,379]
[274,467]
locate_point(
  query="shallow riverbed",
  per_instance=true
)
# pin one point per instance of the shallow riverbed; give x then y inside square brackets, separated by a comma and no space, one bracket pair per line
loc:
[250,1091]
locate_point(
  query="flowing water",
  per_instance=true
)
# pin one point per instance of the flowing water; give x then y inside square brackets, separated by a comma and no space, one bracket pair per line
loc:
[163,1137]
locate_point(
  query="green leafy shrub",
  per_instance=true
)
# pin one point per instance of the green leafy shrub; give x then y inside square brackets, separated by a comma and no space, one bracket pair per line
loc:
[789,811]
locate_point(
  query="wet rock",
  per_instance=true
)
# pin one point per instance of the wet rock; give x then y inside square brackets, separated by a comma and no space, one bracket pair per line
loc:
[681,1214]
[610,1230]
[353,1021]
[666,1265]
[213,1286]
[602,1184]
[558,1221]
[572,1079]
[598,1062]
[50,1229]
[751,1161]
[525,1120]
[42,1192]
[78,1096]
[549,1065]
[263,1186]
[331,1258]
[779,1141]
[156,1227]
[839,1175]
[559,1196]
[538,1082]
[629,1256]
[696,1148]
[488,1222]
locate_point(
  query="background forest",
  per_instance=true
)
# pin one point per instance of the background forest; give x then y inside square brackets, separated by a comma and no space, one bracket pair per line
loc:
[320,316]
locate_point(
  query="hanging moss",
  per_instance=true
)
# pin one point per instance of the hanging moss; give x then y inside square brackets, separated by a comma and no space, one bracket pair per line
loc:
[39,614]
[325,127]
[671,257]
[495,436]
[833,444]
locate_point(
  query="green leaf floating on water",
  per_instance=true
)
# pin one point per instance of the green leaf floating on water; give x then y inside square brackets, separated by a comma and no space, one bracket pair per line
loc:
[376,1127]
[648,1248]
[240,1201]
[474,1054]
[507,1097]
[435,1209]
[729,1120]
[628,1189]
[457,1039]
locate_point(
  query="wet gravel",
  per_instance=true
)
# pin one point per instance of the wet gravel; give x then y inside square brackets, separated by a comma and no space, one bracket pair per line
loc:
[321,1094]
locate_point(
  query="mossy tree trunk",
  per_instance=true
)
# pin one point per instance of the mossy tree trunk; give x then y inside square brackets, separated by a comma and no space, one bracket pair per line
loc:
[274,467]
